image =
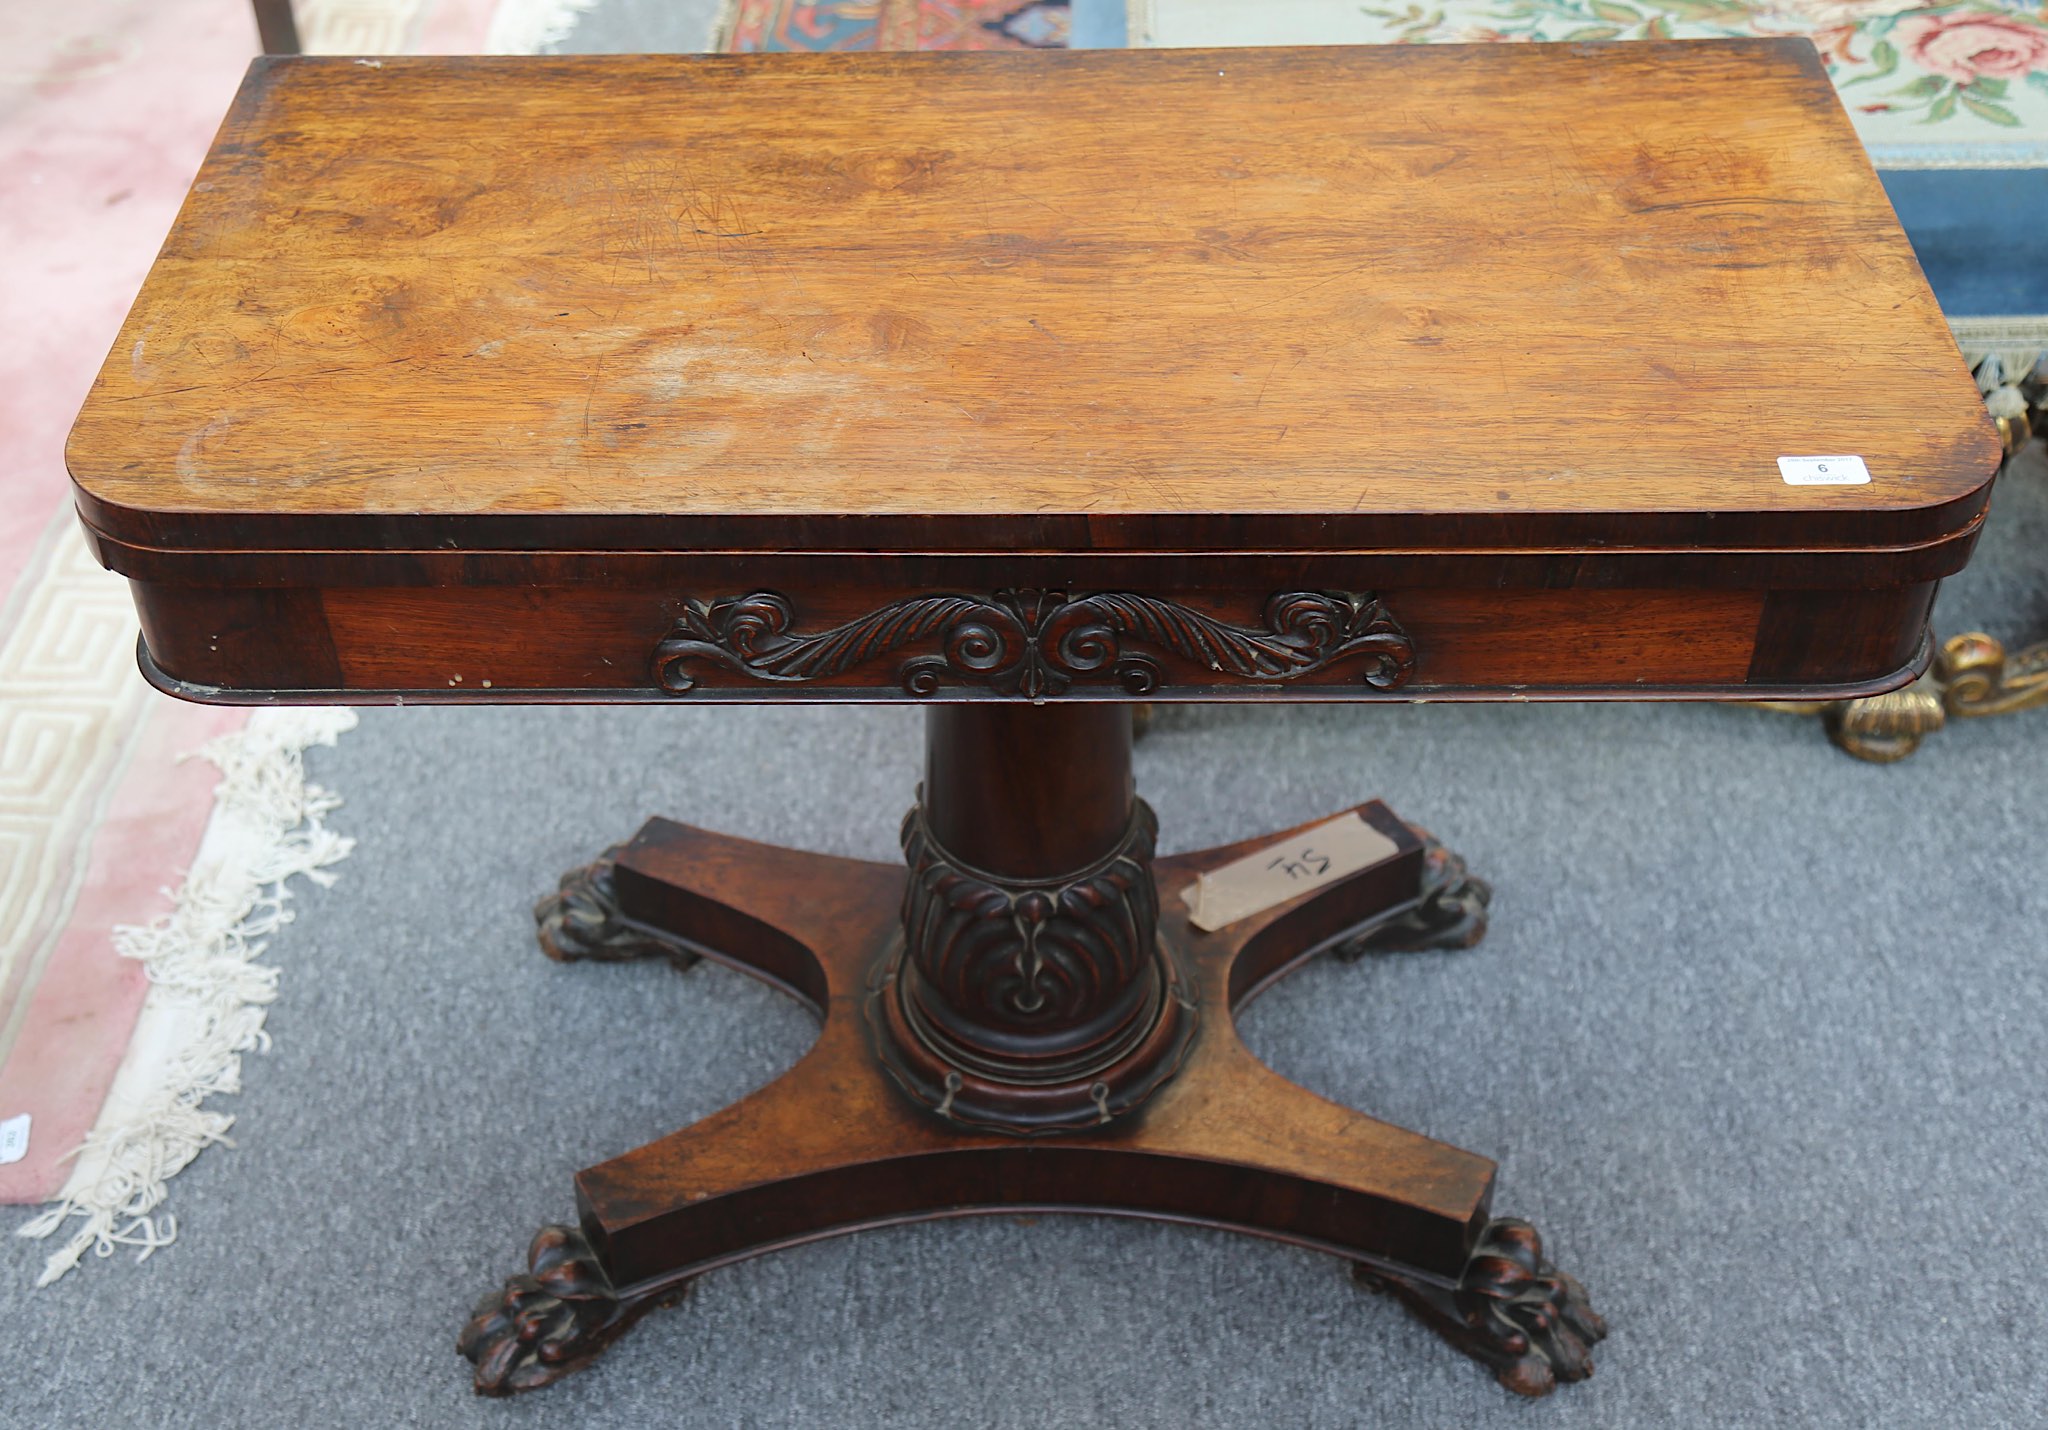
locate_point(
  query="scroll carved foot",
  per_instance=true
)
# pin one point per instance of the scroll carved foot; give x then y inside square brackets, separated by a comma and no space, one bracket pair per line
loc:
[1511,1310]
[1884,729]
[552,1320]
[1452,913]
[581,920]
[1971,677]
[1981,679]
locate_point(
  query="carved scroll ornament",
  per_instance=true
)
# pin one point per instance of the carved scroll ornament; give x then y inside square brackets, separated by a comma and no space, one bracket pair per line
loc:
[1037,644]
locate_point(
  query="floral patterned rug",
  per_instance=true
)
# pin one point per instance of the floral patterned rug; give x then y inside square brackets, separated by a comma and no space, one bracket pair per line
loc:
[893,25]
[1963,84]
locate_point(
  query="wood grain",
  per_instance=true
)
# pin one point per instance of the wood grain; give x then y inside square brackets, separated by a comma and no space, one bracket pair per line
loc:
[1504,296]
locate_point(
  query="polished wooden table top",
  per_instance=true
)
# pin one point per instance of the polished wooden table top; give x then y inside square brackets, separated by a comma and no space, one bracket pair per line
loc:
[1265,299]
[1312,373]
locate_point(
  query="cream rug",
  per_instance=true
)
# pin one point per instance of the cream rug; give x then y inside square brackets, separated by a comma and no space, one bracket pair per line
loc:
[116,1038]
[135,888]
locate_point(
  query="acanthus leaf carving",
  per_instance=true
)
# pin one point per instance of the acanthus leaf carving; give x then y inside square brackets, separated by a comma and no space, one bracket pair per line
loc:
[1039,643]
[1022,957]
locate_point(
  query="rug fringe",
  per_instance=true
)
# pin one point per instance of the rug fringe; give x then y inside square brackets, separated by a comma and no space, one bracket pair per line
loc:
[207,995]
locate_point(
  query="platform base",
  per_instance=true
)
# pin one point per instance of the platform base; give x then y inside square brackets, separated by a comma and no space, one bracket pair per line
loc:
[835,1145]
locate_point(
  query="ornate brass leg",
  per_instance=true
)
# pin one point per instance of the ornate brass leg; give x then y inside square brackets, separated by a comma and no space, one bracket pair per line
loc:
[1889,727]
[1981,679]
[1972,676]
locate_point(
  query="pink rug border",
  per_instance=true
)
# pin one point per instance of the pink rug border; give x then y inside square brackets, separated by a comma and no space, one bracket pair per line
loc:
[89,995]
[99,151]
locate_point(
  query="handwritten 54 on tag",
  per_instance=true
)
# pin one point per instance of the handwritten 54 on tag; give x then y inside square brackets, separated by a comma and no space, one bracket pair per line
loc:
[1280,872]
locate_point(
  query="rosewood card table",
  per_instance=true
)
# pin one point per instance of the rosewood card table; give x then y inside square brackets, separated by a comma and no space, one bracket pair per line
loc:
[1024,387]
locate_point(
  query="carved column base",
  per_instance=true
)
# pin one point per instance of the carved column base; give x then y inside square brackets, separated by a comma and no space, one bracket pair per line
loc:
[932,1074]
[581,920]
[835,1146]
[1031,1006]
[1511,1310]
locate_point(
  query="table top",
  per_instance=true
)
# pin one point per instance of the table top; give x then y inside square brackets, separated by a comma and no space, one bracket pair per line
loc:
[1489,297]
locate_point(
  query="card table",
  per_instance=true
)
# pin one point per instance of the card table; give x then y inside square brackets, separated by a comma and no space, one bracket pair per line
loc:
[1025,387]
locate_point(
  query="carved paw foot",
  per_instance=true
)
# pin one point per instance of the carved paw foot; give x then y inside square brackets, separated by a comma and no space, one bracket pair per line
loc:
[581,920]
[1452,913]
[550,1321]
[1511,1310]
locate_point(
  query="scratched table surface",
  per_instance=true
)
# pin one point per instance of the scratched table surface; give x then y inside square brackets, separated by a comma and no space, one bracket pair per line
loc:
[1506,295]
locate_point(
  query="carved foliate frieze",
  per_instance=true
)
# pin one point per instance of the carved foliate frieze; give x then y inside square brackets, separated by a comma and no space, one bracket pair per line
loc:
[1037,644]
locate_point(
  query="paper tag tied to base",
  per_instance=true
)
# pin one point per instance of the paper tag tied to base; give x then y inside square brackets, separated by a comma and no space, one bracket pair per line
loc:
[1823,471]
[1282,871]
[14,1139]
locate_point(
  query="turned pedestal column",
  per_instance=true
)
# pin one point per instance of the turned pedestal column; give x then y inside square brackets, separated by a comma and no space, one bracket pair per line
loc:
[1030,991]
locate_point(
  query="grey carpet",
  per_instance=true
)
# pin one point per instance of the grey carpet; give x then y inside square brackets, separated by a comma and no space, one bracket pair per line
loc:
[1757,1038]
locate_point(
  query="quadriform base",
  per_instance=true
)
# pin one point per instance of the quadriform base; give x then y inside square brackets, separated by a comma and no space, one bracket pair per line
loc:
[850,1138]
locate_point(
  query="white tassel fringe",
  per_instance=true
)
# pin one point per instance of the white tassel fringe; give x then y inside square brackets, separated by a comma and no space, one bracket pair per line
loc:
[207,994]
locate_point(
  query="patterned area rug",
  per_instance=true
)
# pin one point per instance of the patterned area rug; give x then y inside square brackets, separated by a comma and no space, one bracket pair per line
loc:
[104,110]
[135,883]
[1963,84]
[753,25]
